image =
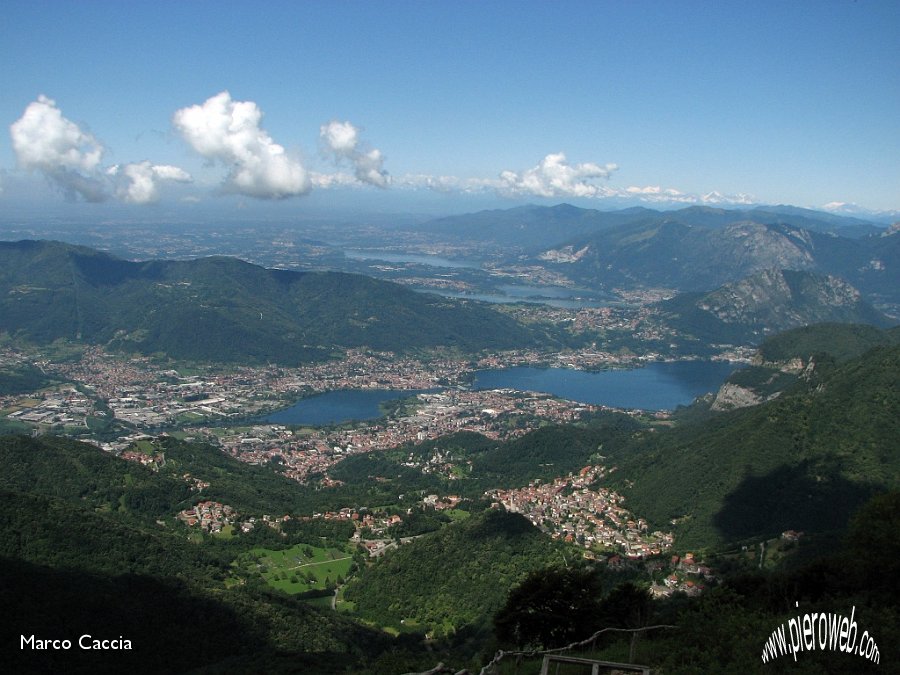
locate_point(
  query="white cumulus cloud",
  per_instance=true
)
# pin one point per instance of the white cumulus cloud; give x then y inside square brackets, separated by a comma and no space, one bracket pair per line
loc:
[68,156]
[555,177]
[139,183]
[228,131]
[340,137]
[44,140]
[342,140]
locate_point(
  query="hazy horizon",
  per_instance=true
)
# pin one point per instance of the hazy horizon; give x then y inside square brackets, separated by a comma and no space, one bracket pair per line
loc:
[443,108]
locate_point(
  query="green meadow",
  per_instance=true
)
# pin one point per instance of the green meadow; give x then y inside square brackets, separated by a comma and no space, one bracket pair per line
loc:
[300,568]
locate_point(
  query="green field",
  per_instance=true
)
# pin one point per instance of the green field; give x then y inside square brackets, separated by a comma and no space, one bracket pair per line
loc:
[456,514]
[300,568]
[145,446]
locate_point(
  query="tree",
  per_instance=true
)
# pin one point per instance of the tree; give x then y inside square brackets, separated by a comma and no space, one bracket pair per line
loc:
[874,544]
[627,606]
[551,608]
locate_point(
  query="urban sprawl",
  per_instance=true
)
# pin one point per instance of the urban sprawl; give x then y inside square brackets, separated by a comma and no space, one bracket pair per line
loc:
[227,406]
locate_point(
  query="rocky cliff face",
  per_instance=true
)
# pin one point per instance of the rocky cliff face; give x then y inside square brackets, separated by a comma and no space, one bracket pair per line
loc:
[768,302]
[762,382]
[673,254]
[731,396]
[762,247]
[782,299]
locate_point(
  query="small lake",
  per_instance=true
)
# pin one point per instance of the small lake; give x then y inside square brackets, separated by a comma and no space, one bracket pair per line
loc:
[656,386]
[418,259]
[337,407]
[553,296]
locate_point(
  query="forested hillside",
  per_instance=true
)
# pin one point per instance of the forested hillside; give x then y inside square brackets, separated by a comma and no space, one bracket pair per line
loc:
[223,309]
[804,461]
[467,569]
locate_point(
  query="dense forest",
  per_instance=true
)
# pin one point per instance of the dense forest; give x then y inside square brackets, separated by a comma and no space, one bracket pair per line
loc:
[467,568]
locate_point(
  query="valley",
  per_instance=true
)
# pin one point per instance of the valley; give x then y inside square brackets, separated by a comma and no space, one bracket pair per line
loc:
[662,431]
[450,338]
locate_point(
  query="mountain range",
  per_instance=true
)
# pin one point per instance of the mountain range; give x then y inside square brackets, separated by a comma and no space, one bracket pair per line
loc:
[692,249]
[531,228]
[223,309]
[766,303]
[687,257]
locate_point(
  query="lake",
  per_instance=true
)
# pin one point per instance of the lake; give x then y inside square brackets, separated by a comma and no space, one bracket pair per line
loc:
[552,296]
[342,405]
[418,259]
[657,386]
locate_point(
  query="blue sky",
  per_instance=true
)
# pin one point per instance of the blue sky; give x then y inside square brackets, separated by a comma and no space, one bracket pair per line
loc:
[448,104]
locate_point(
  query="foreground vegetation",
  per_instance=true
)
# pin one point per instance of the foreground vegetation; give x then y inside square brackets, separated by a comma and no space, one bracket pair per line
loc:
[90,543]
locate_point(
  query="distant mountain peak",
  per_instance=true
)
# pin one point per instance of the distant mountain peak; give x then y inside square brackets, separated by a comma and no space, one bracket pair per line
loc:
[716,197]
[769,301]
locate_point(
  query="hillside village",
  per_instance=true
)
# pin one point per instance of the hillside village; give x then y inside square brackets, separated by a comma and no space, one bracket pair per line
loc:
[574,508]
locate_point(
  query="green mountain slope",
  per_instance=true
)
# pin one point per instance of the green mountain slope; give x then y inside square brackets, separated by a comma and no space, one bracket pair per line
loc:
[455,577]
[223,309]
[248,488]
[802,461]
[676,252]
[548,452]
[841,341]
[67,469]
[783,358]
[88,545]
[61,468]
[480,463]
[79,573]
[22,379]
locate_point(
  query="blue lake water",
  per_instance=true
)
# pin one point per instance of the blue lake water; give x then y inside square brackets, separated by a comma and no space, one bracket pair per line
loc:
[419,259]
[657,386]
[336,407]
[553,296]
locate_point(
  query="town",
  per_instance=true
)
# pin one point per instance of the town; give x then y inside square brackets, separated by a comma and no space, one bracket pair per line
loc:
[575,509]
[142,394]
[134,399]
